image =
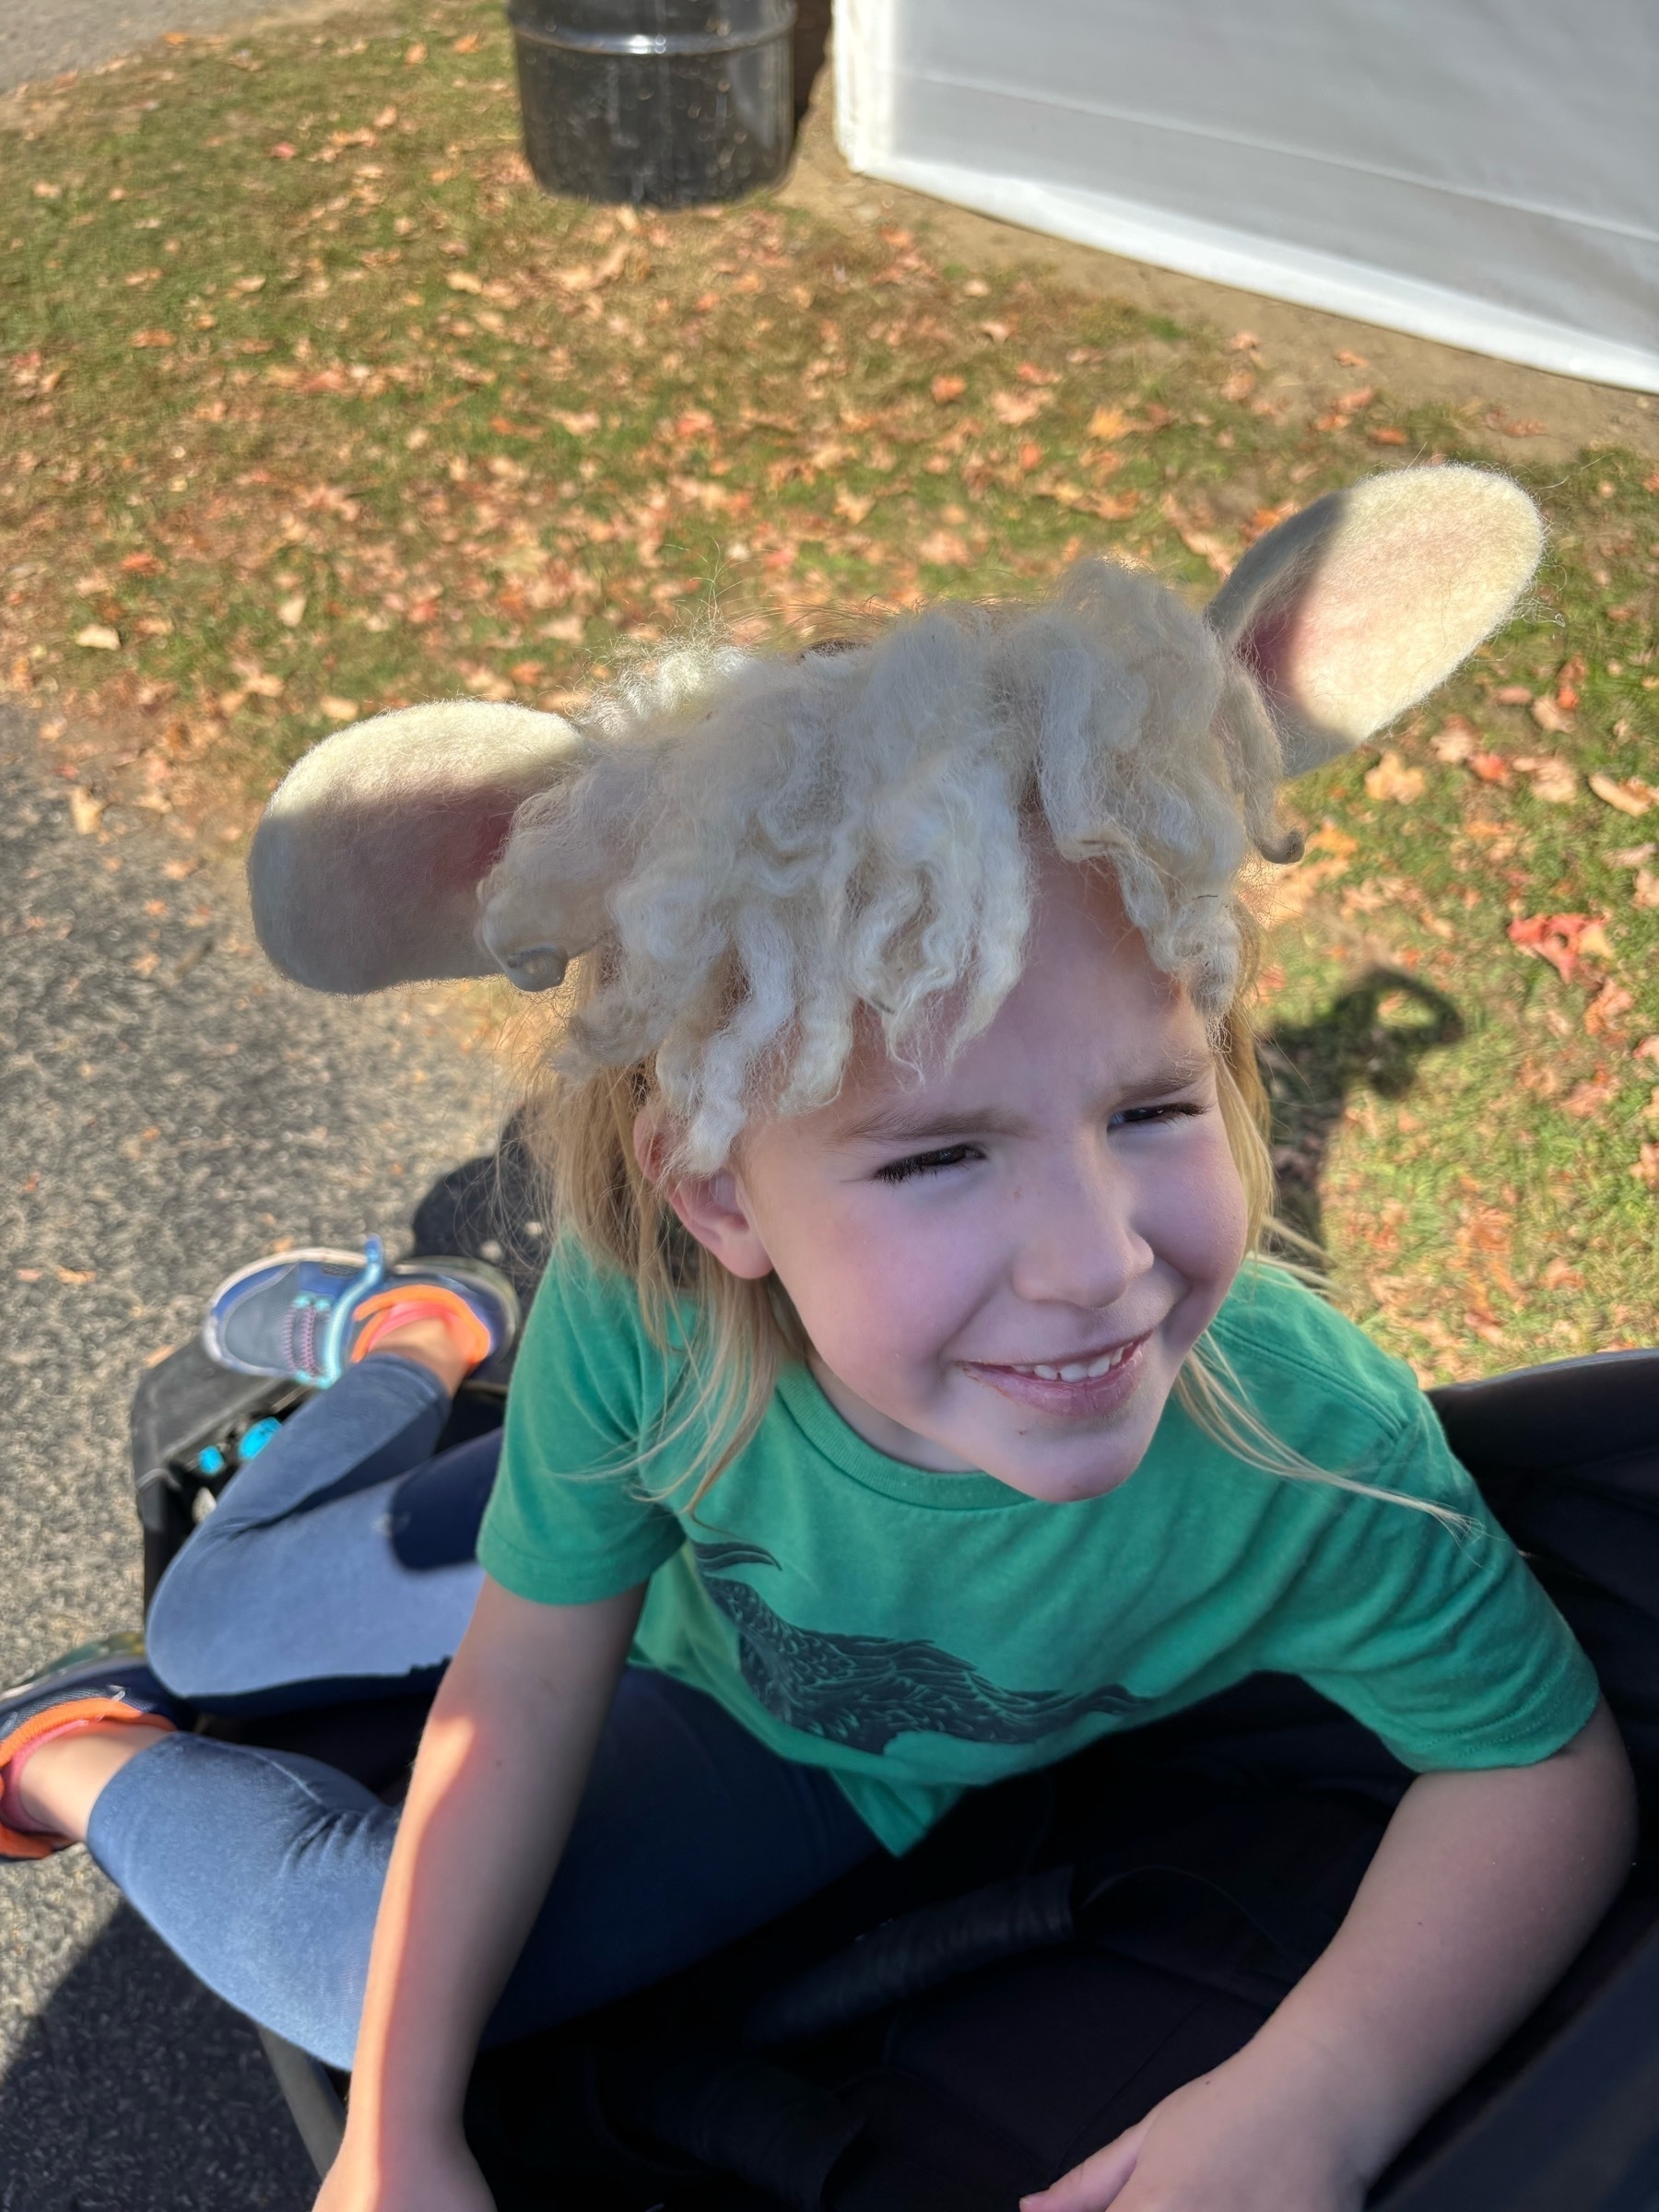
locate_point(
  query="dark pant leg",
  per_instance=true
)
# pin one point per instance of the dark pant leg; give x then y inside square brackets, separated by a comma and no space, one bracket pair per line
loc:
[263,1870]
[338,1564]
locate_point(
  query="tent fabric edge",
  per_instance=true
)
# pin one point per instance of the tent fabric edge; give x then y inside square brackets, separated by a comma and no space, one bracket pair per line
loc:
[1276,268]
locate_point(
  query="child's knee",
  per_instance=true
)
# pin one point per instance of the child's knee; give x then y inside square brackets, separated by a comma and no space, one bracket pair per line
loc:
[188,1621]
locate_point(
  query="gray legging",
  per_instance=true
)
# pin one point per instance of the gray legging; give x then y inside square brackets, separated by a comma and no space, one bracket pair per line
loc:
[339,1564]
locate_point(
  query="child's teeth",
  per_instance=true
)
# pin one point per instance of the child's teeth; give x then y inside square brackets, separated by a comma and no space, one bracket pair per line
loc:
[1075,1371]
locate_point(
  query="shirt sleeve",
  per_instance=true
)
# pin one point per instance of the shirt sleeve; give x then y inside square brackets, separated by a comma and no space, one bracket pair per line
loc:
[1436,1637]
[571,1519]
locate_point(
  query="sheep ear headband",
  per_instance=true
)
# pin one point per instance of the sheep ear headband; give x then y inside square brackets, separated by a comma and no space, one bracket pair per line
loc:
[461,839]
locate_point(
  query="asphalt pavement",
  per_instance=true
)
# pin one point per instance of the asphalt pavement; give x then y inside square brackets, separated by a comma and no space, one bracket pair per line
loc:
[40,39]
[168,1109]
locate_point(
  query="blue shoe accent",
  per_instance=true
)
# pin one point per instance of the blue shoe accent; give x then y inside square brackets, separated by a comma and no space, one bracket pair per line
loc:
[340,1322]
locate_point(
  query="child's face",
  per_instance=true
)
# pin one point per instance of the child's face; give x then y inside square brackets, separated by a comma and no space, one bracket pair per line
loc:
[1064,1194]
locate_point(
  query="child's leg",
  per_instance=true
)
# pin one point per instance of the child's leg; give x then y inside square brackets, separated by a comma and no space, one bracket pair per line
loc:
[264,1870]
[690,1833]
[339,1562]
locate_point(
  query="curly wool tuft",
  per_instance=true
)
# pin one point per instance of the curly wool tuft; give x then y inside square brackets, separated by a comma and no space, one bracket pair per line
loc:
[755,845]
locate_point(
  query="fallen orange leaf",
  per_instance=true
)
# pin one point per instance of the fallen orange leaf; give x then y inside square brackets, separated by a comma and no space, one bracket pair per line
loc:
[1561,939]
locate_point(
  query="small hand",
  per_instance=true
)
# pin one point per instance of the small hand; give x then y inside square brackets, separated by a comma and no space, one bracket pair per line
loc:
[1226,2142]
[437,2175]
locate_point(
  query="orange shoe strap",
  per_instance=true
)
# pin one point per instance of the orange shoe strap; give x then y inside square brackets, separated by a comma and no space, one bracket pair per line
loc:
[389,1310]
[67,1719]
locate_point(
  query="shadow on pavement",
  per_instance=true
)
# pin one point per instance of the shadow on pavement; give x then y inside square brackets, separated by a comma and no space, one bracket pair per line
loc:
[1371,1037]
[134,2090]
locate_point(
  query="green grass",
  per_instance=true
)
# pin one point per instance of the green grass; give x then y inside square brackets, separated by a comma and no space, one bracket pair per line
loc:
[317,405]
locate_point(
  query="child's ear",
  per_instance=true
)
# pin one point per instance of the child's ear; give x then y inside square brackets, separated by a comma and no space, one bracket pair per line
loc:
[1353,610]
[365,868]
[710,1206]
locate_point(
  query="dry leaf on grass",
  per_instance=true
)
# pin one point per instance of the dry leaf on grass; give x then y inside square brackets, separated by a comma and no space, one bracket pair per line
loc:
[85,811]
[945,550]
[1591,1096]
[99,638]
[1604,1017]
[1631,795]
[1016,407]
[1563,940]
[1549,778]
[1391,778]
[1550,715]
[1456,740]
[946,388]
[587,276]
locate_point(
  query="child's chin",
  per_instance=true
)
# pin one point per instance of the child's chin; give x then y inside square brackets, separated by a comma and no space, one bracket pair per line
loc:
[1064,1486]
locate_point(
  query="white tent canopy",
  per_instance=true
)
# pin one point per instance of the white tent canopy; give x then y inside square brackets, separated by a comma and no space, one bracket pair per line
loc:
[1481,172]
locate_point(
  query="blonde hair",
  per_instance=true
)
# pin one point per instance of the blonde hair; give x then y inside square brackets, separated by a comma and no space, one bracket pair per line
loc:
[753,846]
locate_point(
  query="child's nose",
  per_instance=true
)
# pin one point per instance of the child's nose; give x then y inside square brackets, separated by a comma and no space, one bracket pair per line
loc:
[1078,1240]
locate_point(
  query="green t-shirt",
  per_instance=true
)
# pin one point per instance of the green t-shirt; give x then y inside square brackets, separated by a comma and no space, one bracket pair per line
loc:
[918,1633]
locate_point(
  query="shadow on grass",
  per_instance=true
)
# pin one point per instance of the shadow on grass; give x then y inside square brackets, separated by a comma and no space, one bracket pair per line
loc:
[1371,1037]
[136,2091]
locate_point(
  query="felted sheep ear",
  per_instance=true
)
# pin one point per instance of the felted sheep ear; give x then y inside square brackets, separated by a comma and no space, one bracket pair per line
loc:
[1356,608]
[365,868]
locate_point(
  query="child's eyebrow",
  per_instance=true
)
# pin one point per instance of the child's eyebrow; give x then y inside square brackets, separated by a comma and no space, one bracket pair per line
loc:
[895,1123]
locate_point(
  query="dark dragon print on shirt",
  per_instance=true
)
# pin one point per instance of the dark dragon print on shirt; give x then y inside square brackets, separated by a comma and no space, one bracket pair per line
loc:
[864,1690]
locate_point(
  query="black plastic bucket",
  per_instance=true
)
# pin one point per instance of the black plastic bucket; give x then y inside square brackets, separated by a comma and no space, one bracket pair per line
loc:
[663,102]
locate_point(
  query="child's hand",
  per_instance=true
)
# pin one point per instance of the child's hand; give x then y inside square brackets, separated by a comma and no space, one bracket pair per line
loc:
[1228,2141]
[436,2175]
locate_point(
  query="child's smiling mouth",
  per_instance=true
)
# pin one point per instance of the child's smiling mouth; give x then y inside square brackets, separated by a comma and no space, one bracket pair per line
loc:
[1097,1383]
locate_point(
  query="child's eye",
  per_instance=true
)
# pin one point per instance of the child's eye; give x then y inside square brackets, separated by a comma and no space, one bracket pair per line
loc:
[1140,1117]
[924,1163]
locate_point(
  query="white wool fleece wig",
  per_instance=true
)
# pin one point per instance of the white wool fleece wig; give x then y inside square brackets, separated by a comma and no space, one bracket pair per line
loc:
[754,846]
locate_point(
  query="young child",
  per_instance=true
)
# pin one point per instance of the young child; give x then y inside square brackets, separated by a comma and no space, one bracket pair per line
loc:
[902,1406]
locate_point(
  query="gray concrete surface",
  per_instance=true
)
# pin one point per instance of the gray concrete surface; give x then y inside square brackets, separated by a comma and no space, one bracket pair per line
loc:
[40,39]
[167,1108]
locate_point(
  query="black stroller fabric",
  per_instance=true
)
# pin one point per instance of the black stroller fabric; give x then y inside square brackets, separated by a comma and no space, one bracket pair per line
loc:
[943,2033]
